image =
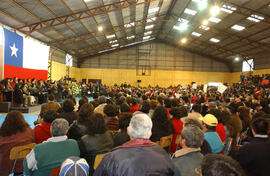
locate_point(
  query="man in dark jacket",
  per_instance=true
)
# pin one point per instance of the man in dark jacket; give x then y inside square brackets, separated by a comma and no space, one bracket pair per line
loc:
[139,156]
[254,157]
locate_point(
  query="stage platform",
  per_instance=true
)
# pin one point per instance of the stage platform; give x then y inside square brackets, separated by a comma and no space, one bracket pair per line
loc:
[29,109]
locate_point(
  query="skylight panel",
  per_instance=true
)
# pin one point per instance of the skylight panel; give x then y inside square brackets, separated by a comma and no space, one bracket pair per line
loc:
[151,19]
[129,25]
[148,33]
[110,36]
[214,40]
[130,37]
[149,26]
[152,10]
[206,28]
[146,37]
[115,45]
[190,12]
[228,9]
[255,18]
[238,27]
[183,20]
[214,19]
[114,41]
[196,34]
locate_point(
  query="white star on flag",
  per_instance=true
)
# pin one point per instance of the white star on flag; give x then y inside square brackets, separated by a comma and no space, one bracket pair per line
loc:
[14,50]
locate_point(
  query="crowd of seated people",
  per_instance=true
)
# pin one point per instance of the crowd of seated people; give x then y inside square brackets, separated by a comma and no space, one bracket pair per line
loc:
[127,125]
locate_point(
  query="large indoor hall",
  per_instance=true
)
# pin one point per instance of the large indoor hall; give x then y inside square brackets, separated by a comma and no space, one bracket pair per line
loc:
[134,87]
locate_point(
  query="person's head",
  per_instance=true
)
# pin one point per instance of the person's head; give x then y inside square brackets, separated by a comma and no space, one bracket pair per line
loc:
[190,121]
[145,107]
[51,97]
[101,99]
[140,126]
[124,120]
[168,102]
[48,116]
[244,115]
[68,105]
[133,101]
[153,104]
[216,113]
[96,124]
[14,122]
[85,111]
[110,110]
[160,113]
[196,108]
[220,165]
[259,126]
[124,107]
[179,112]
[59,127]
[82,101]
[191,137]
[209,122]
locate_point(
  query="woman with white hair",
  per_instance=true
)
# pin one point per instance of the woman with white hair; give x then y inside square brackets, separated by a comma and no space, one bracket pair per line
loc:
[139,156]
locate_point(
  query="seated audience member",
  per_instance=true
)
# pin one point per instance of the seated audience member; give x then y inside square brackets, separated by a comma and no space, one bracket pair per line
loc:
[68,113]
[124,107]
[219,128]
[205,148]
[102,104]
[79,127]
[254,157]
[74,166]
[187,159]
[168,105]
[82,101]
[209,127]
[139,156]
[51,153]
[43,131]
[18,96]
[145,107]
[122,136]
[133,105]
[51,105]
[177,113]
[98,140]
[110,116]
[195,112]
[153,105]
[220,165]
[14,132]
[162,126]
[95,102]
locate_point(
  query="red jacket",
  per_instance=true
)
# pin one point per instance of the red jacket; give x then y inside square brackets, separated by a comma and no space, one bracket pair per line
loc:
[178,127]
[134,108]
[221,132]
[42,132]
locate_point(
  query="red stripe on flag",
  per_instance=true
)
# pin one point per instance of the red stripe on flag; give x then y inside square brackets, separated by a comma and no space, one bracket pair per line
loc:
[24,73]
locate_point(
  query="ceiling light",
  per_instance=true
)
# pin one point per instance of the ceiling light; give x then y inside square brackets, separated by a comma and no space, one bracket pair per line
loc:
[205,22]
[149,26]
[114,41]
[153,10]
[255,18]
[228,9]
[148,33]
[196,34]
[236,58]
[130,37]
[206,28]
[115,45]
[215,10]
[214,40]
[129,24]
[202,4]
[110,36]
[190,12]
[183,20]
[238,27]
[181,27]
[214,20]
[184,40]
[151,19]
[100,28]
[146,37]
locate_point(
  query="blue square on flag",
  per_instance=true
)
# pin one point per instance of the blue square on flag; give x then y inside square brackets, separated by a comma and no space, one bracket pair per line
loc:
[13,53]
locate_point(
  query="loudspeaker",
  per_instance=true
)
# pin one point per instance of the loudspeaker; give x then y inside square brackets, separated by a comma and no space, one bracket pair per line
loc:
[139,80]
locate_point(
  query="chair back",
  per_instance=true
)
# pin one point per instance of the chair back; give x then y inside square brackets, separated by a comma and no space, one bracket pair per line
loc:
[98,159]
[20,151]
[165,141]
[55,172]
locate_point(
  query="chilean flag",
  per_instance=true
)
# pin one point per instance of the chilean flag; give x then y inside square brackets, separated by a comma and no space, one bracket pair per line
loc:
[24,57]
